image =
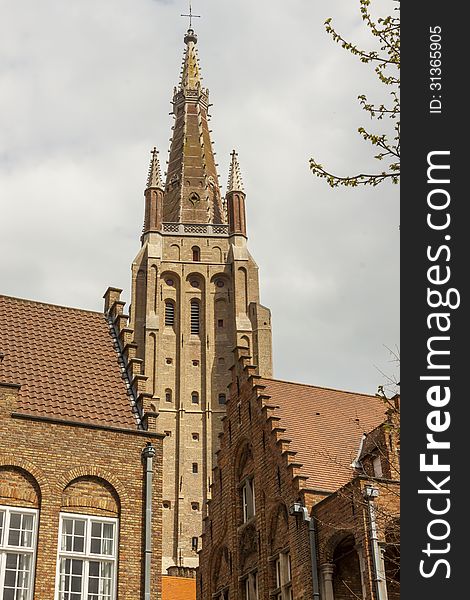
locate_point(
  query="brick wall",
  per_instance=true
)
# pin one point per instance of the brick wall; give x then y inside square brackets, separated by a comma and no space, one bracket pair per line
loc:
[252,447]
[254,444]
[59,467]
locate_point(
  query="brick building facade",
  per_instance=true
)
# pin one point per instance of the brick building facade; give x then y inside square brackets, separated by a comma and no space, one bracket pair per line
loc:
[284,470]
[73,460]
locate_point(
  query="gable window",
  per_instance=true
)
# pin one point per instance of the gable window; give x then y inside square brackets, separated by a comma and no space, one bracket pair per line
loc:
[18,528]
[222,399]
[194,317]
[195,398]
[250,587]
[283,576]
[167,395]
[87,558]
[248,499]
[169,313]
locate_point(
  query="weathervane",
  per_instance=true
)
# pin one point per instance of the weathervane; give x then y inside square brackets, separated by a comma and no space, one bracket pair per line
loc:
[191,16]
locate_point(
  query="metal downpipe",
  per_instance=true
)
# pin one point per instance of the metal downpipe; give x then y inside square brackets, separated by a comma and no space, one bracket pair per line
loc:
[147,454]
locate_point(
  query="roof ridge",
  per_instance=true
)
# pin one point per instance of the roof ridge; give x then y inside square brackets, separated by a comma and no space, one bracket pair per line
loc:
[28,301]
[320,387]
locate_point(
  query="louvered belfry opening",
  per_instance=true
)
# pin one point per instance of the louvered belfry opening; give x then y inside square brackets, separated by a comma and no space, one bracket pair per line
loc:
[195,317]
[169,314]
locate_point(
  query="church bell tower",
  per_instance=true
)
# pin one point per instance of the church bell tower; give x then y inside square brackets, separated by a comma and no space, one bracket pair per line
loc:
[195,296]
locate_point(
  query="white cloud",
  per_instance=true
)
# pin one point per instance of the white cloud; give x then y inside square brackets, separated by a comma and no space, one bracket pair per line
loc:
[86,89]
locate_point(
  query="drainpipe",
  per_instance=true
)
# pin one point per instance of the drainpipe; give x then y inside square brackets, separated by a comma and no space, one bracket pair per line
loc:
[296,510]
[147,454]
[380,588]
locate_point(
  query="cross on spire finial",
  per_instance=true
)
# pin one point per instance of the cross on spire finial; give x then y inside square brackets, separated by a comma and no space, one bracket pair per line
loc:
[191,16]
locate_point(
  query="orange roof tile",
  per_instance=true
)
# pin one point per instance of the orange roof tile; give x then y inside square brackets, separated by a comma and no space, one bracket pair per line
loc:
[325,427]
[65,362]
[178,588]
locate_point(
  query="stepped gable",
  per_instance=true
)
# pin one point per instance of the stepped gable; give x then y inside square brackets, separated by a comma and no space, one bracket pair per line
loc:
[65,362]
[323,427]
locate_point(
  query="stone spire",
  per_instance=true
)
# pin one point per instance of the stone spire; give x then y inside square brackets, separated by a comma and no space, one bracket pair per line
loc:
[153,197]
[235,183]
[235,199]
[154,179]
[192,191]
[191,71]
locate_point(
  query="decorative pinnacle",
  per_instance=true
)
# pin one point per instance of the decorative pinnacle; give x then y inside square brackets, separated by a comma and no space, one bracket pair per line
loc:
[190,72]
[154,179]
[235,183]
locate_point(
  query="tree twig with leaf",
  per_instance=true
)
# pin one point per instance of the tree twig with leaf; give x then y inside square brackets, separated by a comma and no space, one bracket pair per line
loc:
[386,62]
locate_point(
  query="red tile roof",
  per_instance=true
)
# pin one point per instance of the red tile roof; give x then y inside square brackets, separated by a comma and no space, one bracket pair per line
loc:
[325,427]
[178,588]
[65,362]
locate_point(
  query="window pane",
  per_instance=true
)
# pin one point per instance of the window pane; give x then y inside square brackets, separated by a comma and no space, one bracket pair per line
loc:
[95,547]
[17,576]
[108,539]
[71,579]
[2,521]
[21,530]
[102,538]
[15,526]
[99,580]
[73,535]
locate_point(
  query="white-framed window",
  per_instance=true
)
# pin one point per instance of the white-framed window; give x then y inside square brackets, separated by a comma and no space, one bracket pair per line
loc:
[86,565]
[248,499]
[250,586]
[283,573]
[18,538]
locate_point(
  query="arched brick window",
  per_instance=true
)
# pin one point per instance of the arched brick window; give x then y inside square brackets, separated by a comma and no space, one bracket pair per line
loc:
[347,583]
[19,514]
[88,539]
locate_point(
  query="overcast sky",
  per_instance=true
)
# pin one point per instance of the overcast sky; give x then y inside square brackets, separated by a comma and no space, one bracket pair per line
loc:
[85,91]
